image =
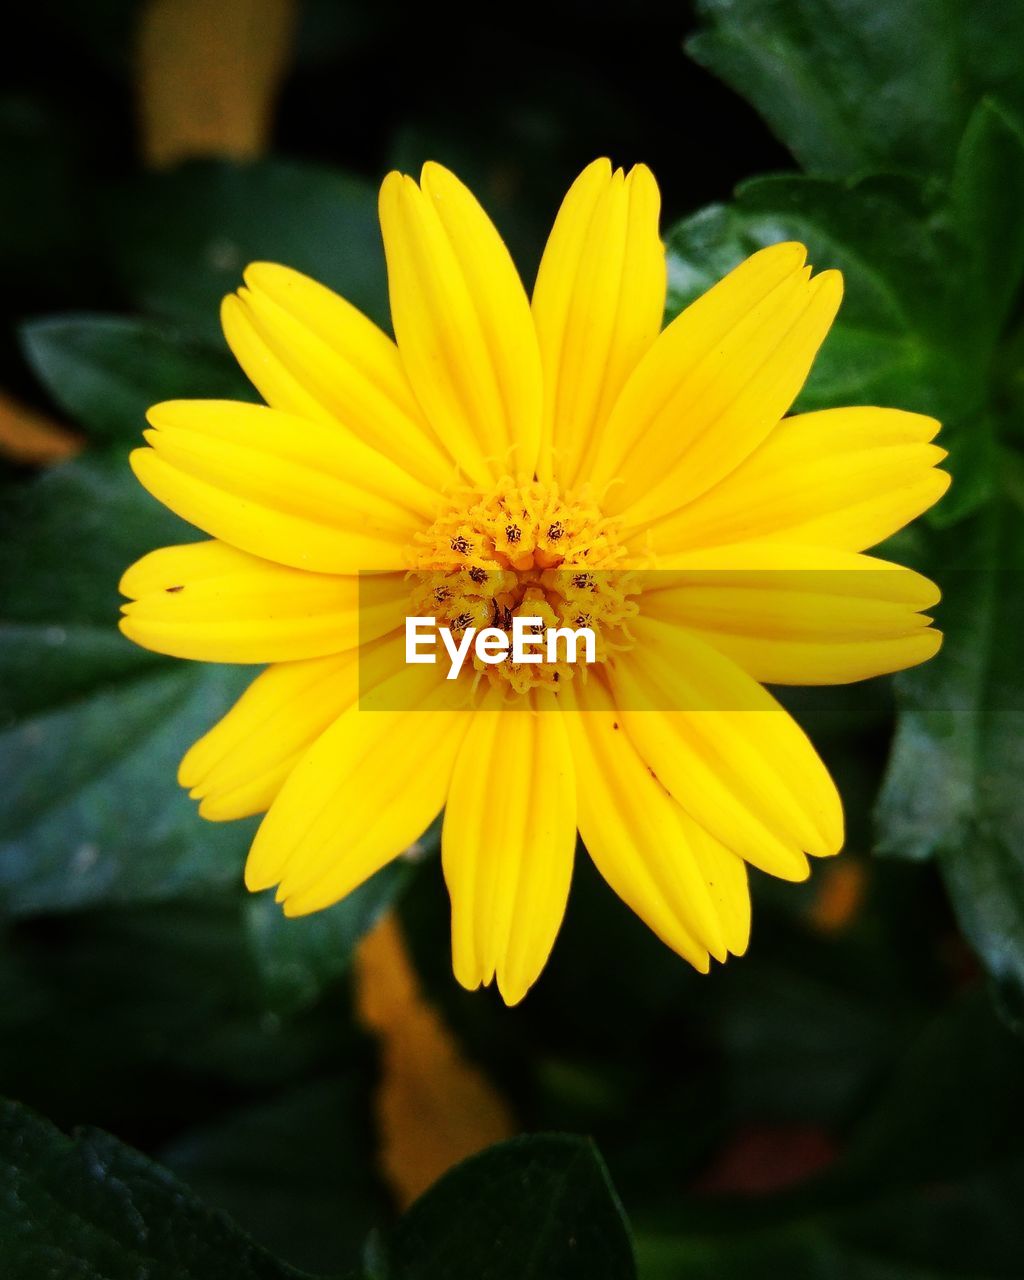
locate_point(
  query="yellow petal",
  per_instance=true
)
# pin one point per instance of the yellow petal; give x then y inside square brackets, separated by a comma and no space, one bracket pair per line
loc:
[725,874]
[367,788]
[507,846]
[692,894]
[597,304]
[714,383]
[312,354]
[844,478]
[238,767]
[463,324]
[207,600]
[798,615]
[725,749]
[289,490]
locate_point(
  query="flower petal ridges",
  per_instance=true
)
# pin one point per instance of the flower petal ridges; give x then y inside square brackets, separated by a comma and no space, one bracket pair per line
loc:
[563,457]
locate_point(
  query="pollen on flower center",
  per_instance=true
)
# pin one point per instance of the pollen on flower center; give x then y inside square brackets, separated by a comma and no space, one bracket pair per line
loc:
[527,551]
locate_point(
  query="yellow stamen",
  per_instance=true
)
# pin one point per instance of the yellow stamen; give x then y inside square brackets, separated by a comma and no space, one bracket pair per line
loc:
[525,551]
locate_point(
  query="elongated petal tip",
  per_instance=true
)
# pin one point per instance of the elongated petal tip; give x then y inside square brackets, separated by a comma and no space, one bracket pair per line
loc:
[437,176]
[259,273]
[920,593]
[831,819]
[797,872]
[598,171]
[295,908]
[157,415]
[256,883]
[135,633]
[260,871]
[138,460]
[184,413]
[828,286]
[189,771]
[467,974]
[390,193]
[512,993]
[786,256]
[643,186]
[213,810]
[920,647]
[835,840]
[230,312]
[124,584]
[739,948]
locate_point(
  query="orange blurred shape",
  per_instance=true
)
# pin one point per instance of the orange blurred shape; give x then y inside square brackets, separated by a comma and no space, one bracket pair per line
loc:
[31,437]
[208,76]
[433,1108]
[841,892]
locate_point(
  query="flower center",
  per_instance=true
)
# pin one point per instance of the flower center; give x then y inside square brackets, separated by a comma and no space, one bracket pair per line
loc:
[525,551]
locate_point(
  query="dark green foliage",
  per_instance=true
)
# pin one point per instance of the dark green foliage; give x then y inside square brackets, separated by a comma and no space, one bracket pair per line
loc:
[89,1207]
[535,1208]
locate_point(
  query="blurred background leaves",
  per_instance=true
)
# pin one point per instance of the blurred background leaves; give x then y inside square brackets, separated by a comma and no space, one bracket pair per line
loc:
[844,1102]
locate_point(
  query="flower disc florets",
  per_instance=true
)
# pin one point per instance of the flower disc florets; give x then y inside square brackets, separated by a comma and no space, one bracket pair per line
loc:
[527,551]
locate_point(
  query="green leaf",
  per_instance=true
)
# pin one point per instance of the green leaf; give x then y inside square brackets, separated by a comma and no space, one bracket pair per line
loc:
[69,534]
[106,371]
[164,1005]
[91,727]
[86,1206]
[295,1171]
[931,274]
[298,957]
[898,319]
[911,333]
[856,85]
[953,786]
[181,240]
[534,1208]
[93,812]
[987,195]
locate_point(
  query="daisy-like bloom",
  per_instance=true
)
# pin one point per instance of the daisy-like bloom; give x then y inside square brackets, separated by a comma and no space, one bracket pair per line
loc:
[564,458]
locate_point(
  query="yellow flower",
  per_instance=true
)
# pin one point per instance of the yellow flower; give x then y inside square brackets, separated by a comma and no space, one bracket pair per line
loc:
[564,459]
